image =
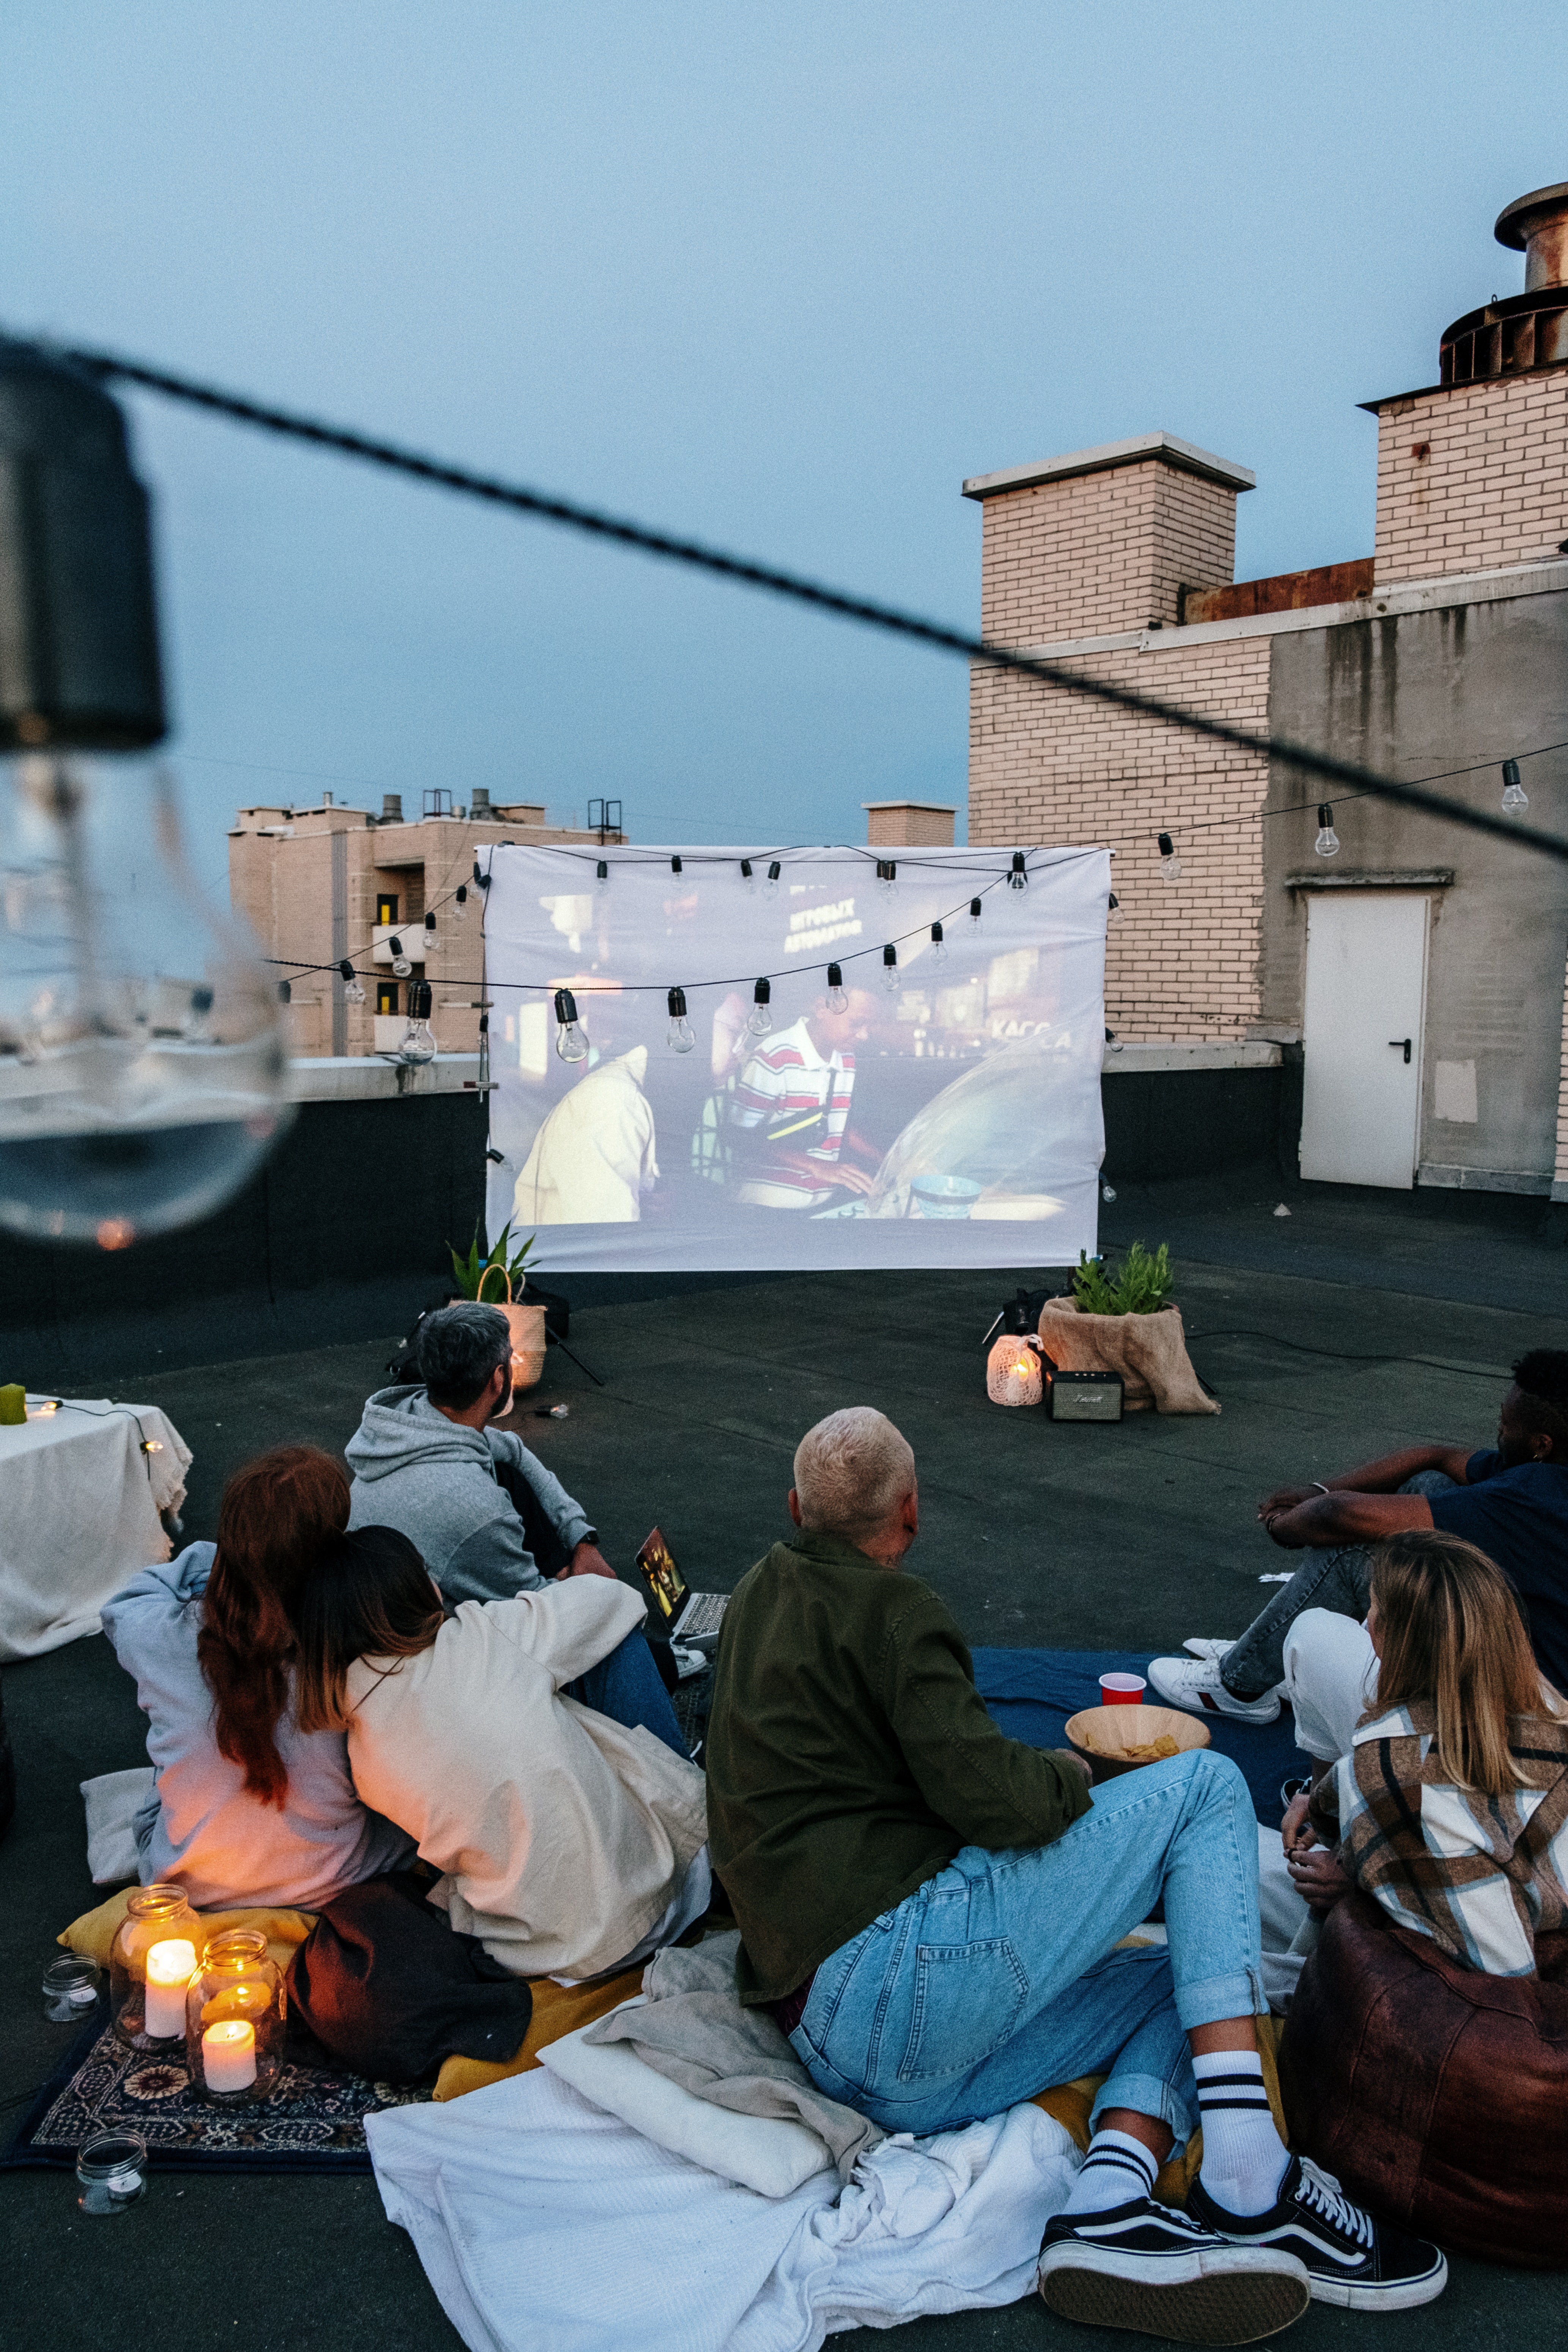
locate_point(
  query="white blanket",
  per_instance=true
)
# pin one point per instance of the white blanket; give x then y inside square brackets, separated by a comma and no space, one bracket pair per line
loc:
[546,2225]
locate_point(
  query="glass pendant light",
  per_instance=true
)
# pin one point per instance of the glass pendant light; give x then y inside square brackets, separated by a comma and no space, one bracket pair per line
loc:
[1170,864]
[353,991]
[759,1020]
[891,981]
[837,1000]
[682,1037]
[571,1042]
[1327,844]
[1515,799]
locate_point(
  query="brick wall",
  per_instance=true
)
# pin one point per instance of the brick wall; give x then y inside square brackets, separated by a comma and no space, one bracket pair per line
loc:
[1181,960]
[1099,553]
[911,825]
[1472,478]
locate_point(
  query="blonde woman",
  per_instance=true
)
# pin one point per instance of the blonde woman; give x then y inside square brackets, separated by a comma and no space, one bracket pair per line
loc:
[1451,1806]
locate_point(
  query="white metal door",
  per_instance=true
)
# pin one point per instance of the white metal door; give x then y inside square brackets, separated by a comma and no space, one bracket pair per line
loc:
[1366,991]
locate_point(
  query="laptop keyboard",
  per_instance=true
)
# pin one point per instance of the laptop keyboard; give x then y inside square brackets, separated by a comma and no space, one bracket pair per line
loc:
[704,1615]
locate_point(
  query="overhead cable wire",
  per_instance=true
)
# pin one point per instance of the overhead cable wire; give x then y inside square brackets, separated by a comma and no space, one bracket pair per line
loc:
[1347,776]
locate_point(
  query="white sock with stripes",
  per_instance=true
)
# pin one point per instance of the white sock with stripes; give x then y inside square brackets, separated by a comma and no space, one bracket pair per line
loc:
[1117,2169]
[1244,2157]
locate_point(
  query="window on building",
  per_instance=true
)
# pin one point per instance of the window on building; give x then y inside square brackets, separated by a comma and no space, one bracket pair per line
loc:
[386,907]
[386,996]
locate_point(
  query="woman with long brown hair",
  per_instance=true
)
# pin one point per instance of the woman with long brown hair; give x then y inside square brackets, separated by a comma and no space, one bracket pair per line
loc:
[245,1807]
[1451,1806]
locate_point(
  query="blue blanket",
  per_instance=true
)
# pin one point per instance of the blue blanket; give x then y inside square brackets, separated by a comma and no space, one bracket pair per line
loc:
[1031,1694]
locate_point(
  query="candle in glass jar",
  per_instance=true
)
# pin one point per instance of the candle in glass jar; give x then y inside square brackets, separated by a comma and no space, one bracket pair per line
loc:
[228,2054]
[170,1968]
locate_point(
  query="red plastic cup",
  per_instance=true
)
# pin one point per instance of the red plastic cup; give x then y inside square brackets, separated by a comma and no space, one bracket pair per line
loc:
[1121,1690]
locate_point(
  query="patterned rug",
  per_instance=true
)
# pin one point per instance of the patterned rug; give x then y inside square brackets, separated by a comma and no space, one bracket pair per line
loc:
[313,2120]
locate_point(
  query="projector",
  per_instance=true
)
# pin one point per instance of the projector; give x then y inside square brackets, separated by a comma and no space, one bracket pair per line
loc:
[1080,1396]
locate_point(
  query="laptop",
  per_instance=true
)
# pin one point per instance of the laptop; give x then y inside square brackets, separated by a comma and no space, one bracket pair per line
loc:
[682,1615]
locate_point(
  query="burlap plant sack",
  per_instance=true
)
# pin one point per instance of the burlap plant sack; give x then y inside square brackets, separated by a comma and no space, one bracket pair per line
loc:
[1149,1352]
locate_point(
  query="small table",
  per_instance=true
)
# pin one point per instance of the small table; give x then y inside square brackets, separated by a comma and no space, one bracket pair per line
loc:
[82,1481]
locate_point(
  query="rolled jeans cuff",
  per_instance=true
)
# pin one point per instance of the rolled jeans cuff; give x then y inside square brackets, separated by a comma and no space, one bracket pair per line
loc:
[1210,2001]
[1146,2094]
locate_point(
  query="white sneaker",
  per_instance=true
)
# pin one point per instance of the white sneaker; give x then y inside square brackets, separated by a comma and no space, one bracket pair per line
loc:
[1203,1645]
[1194,1683]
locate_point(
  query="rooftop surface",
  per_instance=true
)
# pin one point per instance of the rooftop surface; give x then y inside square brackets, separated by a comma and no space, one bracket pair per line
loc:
[1357,1323]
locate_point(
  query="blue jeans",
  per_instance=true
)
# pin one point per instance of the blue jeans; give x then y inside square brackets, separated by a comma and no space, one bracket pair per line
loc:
[1000,1976]
[625,1686]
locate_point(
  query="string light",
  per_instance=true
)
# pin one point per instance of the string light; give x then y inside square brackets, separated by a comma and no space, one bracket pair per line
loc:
[675,866]
[759,1020]
[838,1001]
[1515,799]
[1018,879]
[601,873]
[887,873]
[460,903]
[285,992]
[418,1043]
[747,877]
[353,991]
[938,945]
[1170,864]
[1327,844]
[891,970]
[974,910]
[429,932]
[400,963]
[775,870]
[570,1042]
[1113,910]
[682,1037]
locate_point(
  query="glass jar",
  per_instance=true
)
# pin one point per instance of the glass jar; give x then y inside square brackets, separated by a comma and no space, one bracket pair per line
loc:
[235,2014]
[70,1989]
[112,2171]
[154,1915]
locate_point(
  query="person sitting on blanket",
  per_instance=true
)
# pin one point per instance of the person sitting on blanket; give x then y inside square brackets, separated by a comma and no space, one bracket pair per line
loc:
[935,1915]
[245,1807]
[1448,1800]
[572,1845]
[488,1518]
[1511,1500]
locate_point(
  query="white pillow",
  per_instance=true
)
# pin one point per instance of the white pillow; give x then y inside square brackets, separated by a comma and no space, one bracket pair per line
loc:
[760,2152]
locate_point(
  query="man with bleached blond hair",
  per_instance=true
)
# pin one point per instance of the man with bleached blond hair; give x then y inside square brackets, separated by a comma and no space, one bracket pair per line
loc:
[935,1914]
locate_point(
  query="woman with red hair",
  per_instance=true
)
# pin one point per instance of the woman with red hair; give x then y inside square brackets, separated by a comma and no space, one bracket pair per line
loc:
[245,1807]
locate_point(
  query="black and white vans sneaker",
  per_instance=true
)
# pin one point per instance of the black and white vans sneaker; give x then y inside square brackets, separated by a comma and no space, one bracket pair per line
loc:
[1352,2259]
[1143,2266]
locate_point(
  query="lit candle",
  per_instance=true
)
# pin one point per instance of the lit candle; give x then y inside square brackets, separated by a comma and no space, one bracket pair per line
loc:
[228,2054]
[170,1968]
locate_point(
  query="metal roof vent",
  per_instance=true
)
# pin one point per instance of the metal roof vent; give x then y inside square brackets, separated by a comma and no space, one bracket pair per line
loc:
[1530,329]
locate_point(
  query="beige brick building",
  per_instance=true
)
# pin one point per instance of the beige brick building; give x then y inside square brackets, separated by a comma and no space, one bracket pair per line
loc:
[330,884]
[1447,649]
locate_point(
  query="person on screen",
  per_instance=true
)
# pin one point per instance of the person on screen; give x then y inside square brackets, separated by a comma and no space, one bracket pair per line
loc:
[791,1104]
[594,1156]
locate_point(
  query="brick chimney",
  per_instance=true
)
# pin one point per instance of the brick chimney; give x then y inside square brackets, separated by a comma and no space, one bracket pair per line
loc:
[1104,540]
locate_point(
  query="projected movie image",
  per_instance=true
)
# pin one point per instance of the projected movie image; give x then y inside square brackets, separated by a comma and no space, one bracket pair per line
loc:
[940,1106]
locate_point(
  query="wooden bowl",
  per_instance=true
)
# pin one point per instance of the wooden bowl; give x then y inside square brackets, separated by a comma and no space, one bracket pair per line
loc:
[1115,1729]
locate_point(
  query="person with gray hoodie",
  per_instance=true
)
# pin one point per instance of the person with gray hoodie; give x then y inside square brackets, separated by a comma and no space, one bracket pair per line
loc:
[487,1516]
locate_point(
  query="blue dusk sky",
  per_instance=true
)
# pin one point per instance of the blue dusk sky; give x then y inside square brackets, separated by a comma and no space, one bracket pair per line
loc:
[776,277]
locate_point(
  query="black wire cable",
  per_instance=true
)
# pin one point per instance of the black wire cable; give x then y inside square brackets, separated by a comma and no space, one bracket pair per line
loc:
[1348,775]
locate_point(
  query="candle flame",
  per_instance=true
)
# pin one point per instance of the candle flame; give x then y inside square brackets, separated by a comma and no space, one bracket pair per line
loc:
[171,1963]
[233,2029]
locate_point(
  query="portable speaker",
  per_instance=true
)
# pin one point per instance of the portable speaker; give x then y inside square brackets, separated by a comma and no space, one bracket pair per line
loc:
[1080,1396]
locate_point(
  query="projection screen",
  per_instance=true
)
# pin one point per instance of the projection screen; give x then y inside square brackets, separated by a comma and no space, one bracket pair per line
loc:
[943,1110]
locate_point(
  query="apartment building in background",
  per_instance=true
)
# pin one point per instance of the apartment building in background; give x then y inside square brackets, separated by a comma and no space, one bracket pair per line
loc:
[1418,970]
[330,883]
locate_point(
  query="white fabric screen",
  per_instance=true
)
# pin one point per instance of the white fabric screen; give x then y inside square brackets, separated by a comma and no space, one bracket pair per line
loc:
[952,1119]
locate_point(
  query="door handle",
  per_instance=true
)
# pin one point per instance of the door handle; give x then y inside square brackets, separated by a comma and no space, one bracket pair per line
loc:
[1402,1041]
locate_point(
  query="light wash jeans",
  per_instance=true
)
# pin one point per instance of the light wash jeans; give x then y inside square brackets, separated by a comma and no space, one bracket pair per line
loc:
[1000,1976]
[1338,1579]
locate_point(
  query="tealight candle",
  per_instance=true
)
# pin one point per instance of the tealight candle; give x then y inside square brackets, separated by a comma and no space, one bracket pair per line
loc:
[170,1968]
[228,2054]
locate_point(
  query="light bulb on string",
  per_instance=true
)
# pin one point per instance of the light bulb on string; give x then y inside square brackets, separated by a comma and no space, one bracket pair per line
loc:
[759,1020]
[1327,844]
[400,963]
[353,991]
[570,1042]
[771,888]
[887,873]
[682,1037]
[285,993]
[675,866]
[891,981]
[837,1000]
[974,910]
[747,877]
[1170,864]
[1018,877]
[1112,910]
[419,1043]
[938,944]
[430,933]
[144,1075]
[602,873]
[460,903]
[1515,799]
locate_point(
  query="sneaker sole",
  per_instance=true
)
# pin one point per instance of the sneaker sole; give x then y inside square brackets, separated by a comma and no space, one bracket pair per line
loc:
[1210,2303]
[1207,1707]
[1401,2294]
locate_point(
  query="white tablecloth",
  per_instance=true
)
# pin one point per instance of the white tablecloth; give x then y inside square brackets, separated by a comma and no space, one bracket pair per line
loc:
[80,1500]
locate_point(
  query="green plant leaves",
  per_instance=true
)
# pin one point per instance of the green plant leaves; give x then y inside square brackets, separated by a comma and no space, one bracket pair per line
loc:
[1142,1285]
[472,1272]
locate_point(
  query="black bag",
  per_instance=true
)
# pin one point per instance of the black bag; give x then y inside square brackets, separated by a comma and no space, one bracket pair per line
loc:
[389,1989]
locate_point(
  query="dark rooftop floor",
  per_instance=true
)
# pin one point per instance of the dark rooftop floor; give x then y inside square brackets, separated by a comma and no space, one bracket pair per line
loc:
[1080,1537]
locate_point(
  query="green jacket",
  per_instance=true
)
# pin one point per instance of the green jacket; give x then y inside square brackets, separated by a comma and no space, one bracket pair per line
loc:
[850,1756]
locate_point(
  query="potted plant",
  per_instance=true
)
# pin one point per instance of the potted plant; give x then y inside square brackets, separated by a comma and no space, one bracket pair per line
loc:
[1126,1321]
[499,1280]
